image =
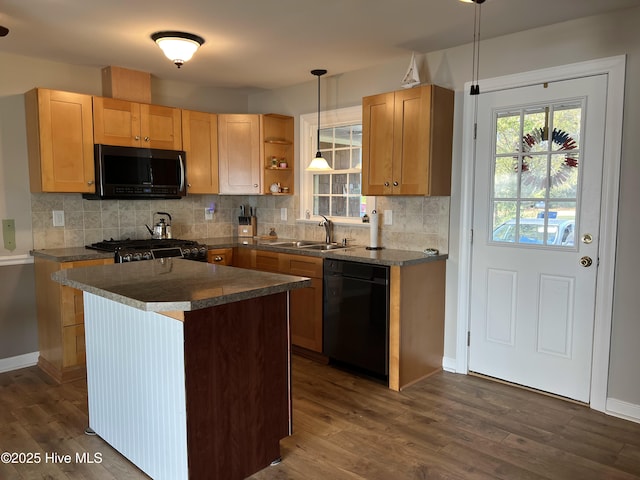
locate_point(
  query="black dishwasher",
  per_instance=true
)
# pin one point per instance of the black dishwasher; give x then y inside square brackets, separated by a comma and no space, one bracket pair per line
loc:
[356,316]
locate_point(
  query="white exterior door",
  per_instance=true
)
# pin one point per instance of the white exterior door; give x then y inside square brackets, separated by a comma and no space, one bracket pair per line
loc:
[538,174]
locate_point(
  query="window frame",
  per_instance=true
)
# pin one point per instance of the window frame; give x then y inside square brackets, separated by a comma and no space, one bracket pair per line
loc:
[308,148]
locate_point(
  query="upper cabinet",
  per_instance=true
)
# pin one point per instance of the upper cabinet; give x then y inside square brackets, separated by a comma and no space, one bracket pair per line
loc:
[407,142]
[256,154]
[130,124]
[278,154]
[200,142]
[60,141]
[239,153]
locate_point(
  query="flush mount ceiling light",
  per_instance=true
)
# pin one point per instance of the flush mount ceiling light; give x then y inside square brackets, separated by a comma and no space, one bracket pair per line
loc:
[318,164]
[179,47]
[4,31]
[475,67]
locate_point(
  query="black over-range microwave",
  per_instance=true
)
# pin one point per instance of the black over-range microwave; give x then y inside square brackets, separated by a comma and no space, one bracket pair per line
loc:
[132,172]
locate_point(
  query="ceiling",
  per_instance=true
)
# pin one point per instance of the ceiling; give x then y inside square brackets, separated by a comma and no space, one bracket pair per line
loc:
[266,44]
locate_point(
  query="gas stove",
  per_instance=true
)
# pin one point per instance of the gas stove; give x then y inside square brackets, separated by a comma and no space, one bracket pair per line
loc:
[148,249]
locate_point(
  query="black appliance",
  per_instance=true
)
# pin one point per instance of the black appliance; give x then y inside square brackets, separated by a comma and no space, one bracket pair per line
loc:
[148,249]
[131,172]
[356,317]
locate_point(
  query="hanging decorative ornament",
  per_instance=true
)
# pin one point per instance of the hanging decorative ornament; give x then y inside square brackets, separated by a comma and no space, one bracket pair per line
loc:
[562,141]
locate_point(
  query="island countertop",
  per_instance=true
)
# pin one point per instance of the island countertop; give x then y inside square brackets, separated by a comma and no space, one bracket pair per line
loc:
[175,284]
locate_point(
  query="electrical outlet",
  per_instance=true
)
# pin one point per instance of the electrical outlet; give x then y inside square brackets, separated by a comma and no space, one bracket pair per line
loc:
[283,214]
[208,213]
[58,218]
[9,234]
[388,217]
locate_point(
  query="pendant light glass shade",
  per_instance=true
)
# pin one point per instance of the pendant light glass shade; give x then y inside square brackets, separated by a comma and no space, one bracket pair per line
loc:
[178,47]
[318,164]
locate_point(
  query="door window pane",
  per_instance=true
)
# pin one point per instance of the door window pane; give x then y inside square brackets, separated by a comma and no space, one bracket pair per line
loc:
[536,175]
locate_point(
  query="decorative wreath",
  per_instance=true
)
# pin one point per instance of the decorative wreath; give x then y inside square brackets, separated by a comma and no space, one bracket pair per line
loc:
[563,141]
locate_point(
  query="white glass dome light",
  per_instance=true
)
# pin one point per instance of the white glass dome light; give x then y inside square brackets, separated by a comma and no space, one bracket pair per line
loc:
[178,47]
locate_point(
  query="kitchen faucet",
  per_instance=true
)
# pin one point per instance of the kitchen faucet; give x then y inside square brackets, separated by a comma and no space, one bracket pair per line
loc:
[327,224]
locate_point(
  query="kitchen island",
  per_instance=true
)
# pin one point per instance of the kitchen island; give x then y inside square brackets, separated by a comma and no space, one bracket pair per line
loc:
[188,364]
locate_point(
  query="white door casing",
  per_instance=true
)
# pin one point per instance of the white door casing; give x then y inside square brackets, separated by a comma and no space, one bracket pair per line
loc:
[614,68]
[532,307]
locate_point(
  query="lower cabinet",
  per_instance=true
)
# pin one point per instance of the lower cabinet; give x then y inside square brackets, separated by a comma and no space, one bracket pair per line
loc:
[305,304]
[221,256]
[60,311]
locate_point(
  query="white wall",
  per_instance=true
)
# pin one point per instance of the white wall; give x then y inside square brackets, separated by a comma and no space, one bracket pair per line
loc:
[570,42]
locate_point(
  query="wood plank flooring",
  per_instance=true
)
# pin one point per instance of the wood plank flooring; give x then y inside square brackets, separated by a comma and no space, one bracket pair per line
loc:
[445,427]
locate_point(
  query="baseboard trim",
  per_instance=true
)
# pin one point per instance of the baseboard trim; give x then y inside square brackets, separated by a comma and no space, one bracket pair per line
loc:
[625,410]
[449,364]
[20,361]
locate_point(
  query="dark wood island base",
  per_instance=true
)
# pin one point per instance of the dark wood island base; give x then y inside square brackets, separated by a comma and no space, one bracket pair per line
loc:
[237,381]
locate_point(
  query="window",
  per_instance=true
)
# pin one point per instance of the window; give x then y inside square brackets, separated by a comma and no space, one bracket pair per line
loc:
[536,174]
[336,193]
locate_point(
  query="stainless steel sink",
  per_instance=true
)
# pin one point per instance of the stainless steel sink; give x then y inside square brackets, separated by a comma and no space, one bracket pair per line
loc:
[306,244]
[322,246]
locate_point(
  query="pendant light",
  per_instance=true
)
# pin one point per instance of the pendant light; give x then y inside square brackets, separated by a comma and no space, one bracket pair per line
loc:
[475,68]
[178,47]
[318,164]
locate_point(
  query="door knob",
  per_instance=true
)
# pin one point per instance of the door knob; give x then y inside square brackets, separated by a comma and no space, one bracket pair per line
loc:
[586,261]
[587,238]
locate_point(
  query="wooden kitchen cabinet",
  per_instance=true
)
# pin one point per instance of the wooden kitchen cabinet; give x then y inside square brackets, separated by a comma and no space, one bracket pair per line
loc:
[60,311]
[407,142]
[131,124]
[200,142]
[220,256]
[278,148]
[305,304]
[239,157]
[59,141]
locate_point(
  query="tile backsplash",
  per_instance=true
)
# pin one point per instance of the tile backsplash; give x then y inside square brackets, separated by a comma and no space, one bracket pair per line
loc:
[418,222]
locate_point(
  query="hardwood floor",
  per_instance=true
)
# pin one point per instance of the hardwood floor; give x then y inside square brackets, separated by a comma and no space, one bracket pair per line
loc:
[446,427]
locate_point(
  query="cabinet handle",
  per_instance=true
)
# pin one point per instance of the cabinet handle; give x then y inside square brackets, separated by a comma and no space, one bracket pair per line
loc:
[146,139]
[386,184]
[255,185]
[395,184]
[137,137]
[90,182]
[189,185]
[217,258]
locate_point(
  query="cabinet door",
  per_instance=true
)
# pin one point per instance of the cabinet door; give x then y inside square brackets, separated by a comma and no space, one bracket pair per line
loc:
[239,154]
[411,135]
[116,122]
[60,141]
[305,310]
[200,142]
[160,127]
[377,144]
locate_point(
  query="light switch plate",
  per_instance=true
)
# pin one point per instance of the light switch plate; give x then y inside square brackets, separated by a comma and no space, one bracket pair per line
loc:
[9,234]
[283,214]
[208,214]
[388,217]
[58,218]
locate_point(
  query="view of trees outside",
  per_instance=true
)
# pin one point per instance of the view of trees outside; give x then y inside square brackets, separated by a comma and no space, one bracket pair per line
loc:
[537,164]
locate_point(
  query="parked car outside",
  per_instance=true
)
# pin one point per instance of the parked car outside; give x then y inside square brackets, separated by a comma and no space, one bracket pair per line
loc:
[559,231]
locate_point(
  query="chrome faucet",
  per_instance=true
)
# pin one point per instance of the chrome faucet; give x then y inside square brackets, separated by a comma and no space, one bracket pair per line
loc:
[327,224]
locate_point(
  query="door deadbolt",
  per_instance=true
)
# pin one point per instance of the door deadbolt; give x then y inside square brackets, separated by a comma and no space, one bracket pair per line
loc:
[587,238]
[586,261]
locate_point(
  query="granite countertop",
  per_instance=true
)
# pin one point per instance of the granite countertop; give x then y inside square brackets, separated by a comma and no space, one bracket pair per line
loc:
[176,284]
[354,253]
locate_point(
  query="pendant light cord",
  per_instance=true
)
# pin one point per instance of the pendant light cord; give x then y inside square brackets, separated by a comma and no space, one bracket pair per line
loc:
[475,65]
[318,141]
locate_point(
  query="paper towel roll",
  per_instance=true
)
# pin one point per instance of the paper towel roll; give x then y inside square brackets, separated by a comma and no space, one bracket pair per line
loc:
[373,229]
